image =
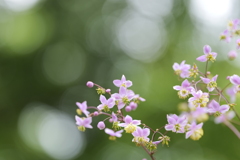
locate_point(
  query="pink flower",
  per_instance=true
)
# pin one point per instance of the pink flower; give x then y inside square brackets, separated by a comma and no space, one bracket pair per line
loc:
[214,107]
[225,117]
[238,43]
[211,83]
[112,133]
[184,89]
[182,69]
[123,97]
[83,123]
[106,104]
[83,107]
[225,35]
[175,123]
[208,55]
[235,80]
[141,135]
[130,124]
[232,93]
[195,131]
[199,99]
[123,82]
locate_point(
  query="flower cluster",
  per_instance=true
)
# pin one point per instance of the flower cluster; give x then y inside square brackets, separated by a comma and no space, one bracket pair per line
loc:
[204,98]
[231,34]
[112,105]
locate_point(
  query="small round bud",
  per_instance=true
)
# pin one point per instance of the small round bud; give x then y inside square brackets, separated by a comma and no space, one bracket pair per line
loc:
[228,77]
[128,109]
[108,90]
[95,113]
[208,72]
[101,125]
[133,105]
[232,55]
[90,84]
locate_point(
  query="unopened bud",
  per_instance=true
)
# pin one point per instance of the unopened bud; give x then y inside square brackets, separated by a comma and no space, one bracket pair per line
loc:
[101,125]
[108,90]
[128,109]
[95,113]
[232,55]
[90,84]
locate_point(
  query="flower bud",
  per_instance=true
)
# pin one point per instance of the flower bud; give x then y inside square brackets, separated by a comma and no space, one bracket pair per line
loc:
[128,109]
[232,55]
[108,90]
[95,113]
[133,105]
[101,125]
[90,84]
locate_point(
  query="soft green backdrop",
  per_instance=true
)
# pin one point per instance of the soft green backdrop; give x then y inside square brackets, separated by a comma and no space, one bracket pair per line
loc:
[49,49]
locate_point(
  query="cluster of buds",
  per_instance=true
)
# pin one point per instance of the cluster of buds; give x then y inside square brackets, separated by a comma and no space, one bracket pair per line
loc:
[232,32]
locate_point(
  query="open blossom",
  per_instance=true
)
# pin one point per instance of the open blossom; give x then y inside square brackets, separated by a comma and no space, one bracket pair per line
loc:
[199,114]
[238,43]
[211,83]
[141,135]
[184,89]
[208,55]
[113,134]
[234,24]
[199,99]
[82,108]
[106,104]
[176,123]
[235,80]
[225,35]
[130,125]
[195,131]
[232,93]
[123,82]
[214,107]
[83,123]
[225,117]
[182,69]
[123,97]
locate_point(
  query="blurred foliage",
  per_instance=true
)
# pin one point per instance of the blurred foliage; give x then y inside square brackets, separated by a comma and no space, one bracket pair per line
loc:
[50,49]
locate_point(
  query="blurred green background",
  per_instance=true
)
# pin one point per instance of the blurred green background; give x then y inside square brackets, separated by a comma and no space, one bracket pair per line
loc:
[49,49]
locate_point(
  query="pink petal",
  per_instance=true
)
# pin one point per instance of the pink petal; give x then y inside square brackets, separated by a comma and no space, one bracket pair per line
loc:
[202,58]
[169,127]
[146,132]
[117,82]
[188,134]
[205,80]
[128,119]
[206,49]
[214,54]
[128,83]
[123,78]
[177,88]
[176,66]
[224,108]
[136,122]
[103,99]
[171,120]
[185,83]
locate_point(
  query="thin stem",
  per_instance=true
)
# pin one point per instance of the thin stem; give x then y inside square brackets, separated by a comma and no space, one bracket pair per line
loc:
[235,122]
[225,87]
[227,102]
[149,153]
[206,69]
[233,128]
